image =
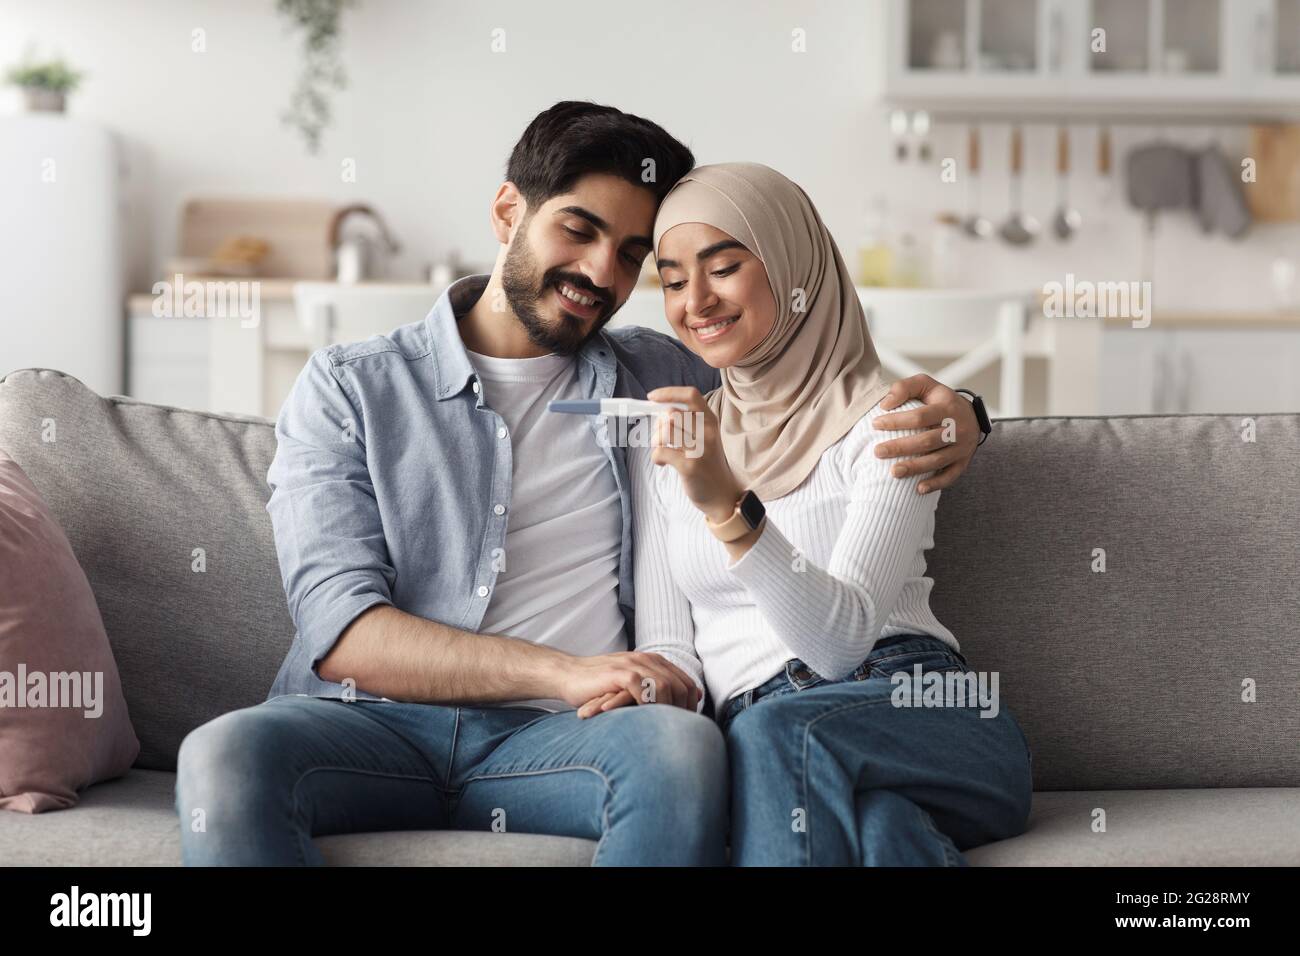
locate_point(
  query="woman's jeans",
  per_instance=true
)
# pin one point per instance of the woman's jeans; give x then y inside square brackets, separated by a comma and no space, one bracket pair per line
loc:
[255,785]
[844,773]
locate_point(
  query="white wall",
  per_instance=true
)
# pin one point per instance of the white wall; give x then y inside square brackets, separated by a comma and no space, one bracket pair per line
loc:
[432,112]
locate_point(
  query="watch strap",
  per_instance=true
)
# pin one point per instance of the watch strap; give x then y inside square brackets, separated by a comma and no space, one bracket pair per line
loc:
[734,527]
[981,413]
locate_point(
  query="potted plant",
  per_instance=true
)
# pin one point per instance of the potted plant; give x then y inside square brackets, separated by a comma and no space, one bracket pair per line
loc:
[321,24]
[46,85]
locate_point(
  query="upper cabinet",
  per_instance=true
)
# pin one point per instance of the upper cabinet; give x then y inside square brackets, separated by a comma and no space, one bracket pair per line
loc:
[1272,50]
[975,48]
[1102,52]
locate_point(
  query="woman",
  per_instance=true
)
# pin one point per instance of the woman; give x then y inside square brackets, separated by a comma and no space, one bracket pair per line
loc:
[779,562]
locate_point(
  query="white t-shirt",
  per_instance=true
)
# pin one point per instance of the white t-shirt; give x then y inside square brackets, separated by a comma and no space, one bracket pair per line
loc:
[564,534]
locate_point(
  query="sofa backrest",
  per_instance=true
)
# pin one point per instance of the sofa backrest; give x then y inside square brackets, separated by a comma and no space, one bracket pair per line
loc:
[165,509]
[1138,676]
[1131,677]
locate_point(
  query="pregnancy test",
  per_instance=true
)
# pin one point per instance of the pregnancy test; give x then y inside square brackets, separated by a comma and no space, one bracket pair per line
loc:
[617,407]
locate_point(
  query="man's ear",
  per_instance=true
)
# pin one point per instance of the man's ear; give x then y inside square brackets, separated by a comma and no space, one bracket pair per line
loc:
[507,212]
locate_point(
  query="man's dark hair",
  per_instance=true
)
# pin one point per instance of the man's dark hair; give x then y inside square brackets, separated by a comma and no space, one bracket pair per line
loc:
[573,138]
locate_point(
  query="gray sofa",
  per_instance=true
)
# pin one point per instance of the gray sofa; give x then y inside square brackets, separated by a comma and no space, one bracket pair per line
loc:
[1128,683]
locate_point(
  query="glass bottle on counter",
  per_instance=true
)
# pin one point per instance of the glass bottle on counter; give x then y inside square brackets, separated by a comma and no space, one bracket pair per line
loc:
[875,255]
[909,263]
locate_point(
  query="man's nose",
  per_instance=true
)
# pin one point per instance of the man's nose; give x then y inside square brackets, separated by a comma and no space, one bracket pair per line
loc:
[600,267]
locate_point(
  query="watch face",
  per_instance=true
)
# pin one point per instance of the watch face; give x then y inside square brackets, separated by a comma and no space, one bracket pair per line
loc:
[752,510]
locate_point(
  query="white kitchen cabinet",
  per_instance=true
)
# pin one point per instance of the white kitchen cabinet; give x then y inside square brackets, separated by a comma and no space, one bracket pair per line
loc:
[975,49]
[167,360]
[1132,379]
[1269,50]
[1199,370]
[1226,370]
[1040,52]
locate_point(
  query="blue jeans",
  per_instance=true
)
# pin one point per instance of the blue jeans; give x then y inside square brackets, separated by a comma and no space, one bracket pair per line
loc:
[836,773]
[649,783]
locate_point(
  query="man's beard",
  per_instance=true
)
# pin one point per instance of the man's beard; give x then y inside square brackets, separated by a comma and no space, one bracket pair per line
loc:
[524,291]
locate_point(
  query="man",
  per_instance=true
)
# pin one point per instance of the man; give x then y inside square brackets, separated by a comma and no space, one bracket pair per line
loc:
[457,561]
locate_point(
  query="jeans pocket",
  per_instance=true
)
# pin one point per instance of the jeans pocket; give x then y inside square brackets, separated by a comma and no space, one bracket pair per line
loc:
[801,676]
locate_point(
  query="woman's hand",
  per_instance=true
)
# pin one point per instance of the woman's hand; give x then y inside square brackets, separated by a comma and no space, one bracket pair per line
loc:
[597,705]
[691,442]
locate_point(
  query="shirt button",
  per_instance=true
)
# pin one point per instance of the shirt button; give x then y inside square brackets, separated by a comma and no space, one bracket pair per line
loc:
[482,590]
[499,509]
[501,432]
[476,388]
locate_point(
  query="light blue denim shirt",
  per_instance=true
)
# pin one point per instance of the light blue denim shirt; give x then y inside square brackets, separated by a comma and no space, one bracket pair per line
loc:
[389,465]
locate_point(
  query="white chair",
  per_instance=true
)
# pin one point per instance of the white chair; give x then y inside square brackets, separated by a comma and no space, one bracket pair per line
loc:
[332,312]
[978,327]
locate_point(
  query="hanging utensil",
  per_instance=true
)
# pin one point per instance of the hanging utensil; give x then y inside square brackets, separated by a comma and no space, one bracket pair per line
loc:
[898,126]
[1105,181]
[921,130]
[1068,220]
[975,225]
[1020,228]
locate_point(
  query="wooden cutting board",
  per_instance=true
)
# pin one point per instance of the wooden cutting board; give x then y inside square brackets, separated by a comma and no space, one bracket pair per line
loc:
[1275,195]
[298,231]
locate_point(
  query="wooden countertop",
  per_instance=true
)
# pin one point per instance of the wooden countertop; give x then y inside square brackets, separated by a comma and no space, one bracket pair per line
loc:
[1218,320]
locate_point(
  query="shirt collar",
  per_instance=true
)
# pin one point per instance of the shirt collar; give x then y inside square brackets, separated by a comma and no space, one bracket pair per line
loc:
[451,364]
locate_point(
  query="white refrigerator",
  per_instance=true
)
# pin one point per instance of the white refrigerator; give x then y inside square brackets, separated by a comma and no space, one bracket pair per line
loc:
[62,264]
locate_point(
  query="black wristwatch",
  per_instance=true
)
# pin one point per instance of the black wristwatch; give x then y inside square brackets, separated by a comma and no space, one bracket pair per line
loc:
[746,518]
[981,413]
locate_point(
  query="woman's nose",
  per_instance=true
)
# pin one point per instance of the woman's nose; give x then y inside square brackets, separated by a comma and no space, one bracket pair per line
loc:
[700,300]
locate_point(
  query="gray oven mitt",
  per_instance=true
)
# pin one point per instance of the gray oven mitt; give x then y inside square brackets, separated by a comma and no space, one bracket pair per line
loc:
[1220,202]
[1161,176]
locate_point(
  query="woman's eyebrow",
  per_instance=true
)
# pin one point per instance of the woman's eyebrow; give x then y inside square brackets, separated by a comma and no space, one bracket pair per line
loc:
[704,253]
[713,250]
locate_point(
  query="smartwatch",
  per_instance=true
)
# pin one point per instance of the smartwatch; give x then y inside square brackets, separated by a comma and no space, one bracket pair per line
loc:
[746,518]
[981,413]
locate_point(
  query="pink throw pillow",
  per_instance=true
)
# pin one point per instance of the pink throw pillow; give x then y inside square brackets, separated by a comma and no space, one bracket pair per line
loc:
[63,719]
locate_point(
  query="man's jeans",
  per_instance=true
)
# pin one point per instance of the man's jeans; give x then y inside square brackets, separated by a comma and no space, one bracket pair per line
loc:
[648,782]
[828,773]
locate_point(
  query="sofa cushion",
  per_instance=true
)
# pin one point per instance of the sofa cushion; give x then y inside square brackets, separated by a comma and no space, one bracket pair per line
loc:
[132,821]
[1209,827]
[63,720]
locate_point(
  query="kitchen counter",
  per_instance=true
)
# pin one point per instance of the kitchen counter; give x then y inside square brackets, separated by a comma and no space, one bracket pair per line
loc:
[1214,319]
[270,289]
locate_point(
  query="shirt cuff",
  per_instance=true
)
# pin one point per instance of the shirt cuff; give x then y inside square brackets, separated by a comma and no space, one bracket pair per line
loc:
[770,554]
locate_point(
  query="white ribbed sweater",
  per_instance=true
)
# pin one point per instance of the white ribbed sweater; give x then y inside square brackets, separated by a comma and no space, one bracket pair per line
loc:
[840,563]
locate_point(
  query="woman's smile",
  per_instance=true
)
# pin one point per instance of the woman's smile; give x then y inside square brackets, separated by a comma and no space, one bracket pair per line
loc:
[710,330]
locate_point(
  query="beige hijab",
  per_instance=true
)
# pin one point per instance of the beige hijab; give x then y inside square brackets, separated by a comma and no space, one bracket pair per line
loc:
[814,376]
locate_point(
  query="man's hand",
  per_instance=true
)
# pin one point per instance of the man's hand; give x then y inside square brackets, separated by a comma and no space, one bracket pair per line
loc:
[952,435]
[644,678]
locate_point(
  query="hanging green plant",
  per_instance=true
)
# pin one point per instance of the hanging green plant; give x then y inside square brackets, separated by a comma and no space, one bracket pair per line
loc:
[322,68]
